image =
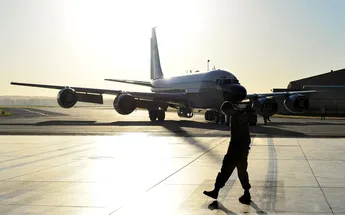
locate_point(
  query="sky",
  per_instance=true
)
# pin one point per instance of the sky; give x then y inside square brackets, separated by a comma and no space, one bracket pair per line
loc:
[265,44]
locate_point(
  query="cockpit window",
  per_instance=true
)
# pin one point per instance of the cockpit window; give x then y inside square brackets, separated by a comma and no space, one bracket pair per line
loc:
[226,81]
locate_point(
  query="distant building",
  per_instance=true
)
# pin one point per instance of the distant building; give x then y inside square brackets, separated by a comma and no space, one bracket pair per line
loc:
[333,99]
[330,78]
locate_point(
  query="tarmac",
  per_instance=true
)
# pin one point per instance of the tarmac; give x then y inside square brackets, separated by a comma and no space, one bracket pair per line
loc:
[95,161]
[106,121]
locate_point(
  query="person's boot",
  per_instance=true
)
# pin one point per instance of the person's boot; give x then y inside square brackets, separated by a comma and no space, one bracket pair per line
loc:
[217,186]
[245,198]
[213,193]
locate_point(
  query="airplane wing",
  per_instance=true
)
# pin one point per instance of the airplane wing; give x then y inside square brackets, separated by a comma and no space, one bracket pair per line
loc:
[142,83]
[172,98]
[278,94]
[77,89]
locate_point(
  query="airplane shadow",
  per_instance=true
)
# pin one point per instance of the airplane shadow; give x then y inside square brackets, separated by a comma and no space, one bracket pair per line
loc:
[217,205]
[303,123]
[177,127]
[166,124]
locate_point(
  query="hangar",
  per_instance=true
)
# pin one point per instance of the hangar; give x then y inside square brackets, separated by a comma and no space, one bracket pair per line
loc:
[332,98]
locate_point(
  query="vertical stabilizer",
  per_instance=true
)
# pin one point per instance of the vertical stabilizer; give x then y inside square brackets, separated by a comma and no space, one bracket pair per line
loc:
[156,69]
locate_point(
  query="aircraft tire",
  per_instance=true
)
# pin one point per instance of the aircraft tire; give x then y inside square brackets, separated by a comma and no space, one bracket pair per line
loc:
[216,117]
[252,119]
[227,120]
[222,119]
[208,116]
[161,115]
[153,114]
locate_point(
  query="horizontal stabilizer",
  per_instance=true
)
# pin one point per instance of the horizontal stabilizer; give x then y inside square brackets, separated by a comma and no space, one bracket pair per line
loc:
[142,83]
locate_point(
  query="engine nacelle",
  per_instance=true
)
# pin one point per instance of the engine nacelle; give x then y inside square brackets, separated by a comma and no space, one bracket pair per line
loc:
[125,104]
[185,112]
[296,103]
[265,106]
[67,97]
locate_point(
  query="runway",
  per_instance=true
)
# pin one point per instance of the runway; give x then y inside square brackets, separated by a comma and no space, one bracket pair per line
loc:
[109,166]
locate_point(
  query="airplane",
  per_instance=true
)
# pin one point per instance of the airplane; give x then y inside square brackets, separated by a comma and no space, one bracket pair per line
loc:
[185,93]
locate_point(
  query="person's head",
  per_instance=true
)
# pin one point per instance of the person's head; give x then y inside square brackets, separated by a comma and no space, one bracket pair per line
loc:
[228,108]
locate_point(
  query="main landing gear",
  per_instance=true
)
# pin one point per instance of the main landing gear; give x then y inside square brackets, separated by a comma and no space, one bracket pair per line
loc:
[157,115]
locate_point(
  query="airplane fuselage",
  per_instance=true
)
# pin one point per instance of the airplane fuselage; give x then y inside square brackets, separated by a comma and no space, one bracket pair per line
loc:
[205,89]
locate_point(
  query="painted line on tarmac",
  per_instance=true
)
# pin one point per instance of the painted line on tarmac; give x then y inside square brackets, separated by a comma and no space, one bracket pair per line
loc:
[31,111]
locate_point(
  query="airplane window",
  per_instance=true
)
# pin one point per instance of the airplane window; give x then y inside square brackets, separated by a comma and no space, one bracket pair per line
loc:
[225,81]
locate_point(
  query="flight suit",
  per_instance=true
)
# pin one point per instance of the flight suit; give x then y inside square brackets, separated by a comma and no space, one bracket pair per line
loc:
[237,153]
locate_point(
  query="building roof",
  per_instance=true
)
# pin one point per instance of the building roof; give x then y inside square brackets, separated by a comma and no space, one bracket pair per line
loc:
[330,78]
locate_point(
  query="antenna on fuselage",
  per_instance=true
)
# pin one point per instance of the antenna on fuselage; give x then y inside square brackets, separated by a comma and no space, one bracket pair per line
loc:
[208,65]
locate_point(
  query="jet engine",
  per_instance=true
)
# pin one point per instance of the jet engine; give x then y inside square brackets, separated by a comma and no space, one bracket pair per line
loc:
[67,97]
[296,103]
[265,106]
[125,104]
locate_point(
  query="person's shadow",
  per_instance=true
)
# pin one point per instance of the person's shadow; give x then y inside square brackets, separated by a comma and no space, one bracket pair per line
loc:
[219,206]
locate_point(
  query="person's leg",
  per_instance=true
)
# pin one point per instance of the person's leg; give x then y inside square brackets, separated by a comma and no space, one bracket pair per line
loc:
[242,166]
[223,176]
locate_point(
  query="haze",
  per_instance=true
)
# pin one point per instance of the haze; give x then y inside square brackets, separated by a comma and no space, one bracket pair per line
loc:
[264,43]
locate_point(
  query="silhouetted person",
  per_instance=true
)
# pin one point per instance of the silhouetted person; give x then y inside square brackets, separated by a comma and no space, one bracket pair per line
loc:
[323,112]
[237,154]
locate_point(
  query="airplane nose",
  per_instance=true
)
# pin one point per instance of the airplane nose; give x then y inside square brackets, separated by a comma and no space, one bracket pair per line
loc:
[235,93]
[240,93]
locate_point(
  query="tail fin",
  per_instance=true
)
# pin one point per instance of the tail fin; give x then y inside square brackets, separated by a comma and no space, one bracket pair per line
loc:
[156,69]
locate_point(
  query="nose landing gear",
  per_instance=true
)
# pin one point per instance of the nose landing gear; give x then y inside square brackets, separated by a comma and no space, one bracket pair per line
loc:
[185,112]
[157,115]
[220,118]
[217,117]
